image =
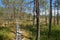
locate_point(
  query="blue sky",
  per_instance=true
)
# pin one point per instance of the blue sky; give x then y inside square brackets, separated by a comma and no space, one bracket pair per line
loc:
[1,3]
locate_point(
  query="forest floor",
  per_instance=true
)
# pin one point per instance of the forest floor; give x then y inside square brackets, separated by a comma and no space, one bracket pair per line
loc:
[29,31]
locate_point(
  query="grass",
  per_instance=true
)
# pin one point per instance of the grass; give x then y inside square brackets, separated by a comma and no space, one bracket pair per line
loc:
[5,33]
[55,32]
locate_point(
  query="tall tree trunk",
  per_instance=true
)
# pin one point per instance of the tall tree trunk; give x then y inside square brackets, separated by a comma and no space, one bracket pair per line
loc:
[14,10]
[37,19]
[20,13]
[34,14]
[50,19]
[8,14]
[33,18]
[54,15]
[45,16]
[8,10]
[57,16]
[45,13]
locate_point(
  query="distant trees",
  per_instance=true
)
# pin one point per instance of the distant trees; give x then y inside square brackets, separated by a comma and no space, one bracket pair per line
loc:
[13,5]
[6,3]
[1,12]
[57,12]
[57,16]
[45,9]
[56,6]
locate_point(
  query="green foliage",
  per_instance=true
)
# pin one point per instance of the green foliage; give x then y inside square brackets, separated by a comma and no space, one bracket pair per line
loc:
[4,33]
[55,33]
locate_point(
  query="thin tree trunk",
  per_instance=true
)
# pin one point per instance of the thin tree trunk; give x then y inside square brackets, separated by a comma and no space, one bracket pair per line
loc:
[8,14]
[57,16]
[37,19]
[45,16]
[14,10]
[50,19]
[8,10]
[34,14]
[54,15]
[21,13]
[33,18]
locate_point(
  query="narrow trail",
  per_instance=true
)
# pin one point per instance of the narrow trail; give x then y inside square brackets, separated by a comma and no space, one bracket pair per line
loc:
[21,34]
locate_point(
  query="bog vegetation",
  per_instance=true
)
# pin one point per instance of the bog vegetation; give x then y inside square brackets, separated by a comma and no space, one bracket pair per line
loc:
[37,19]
